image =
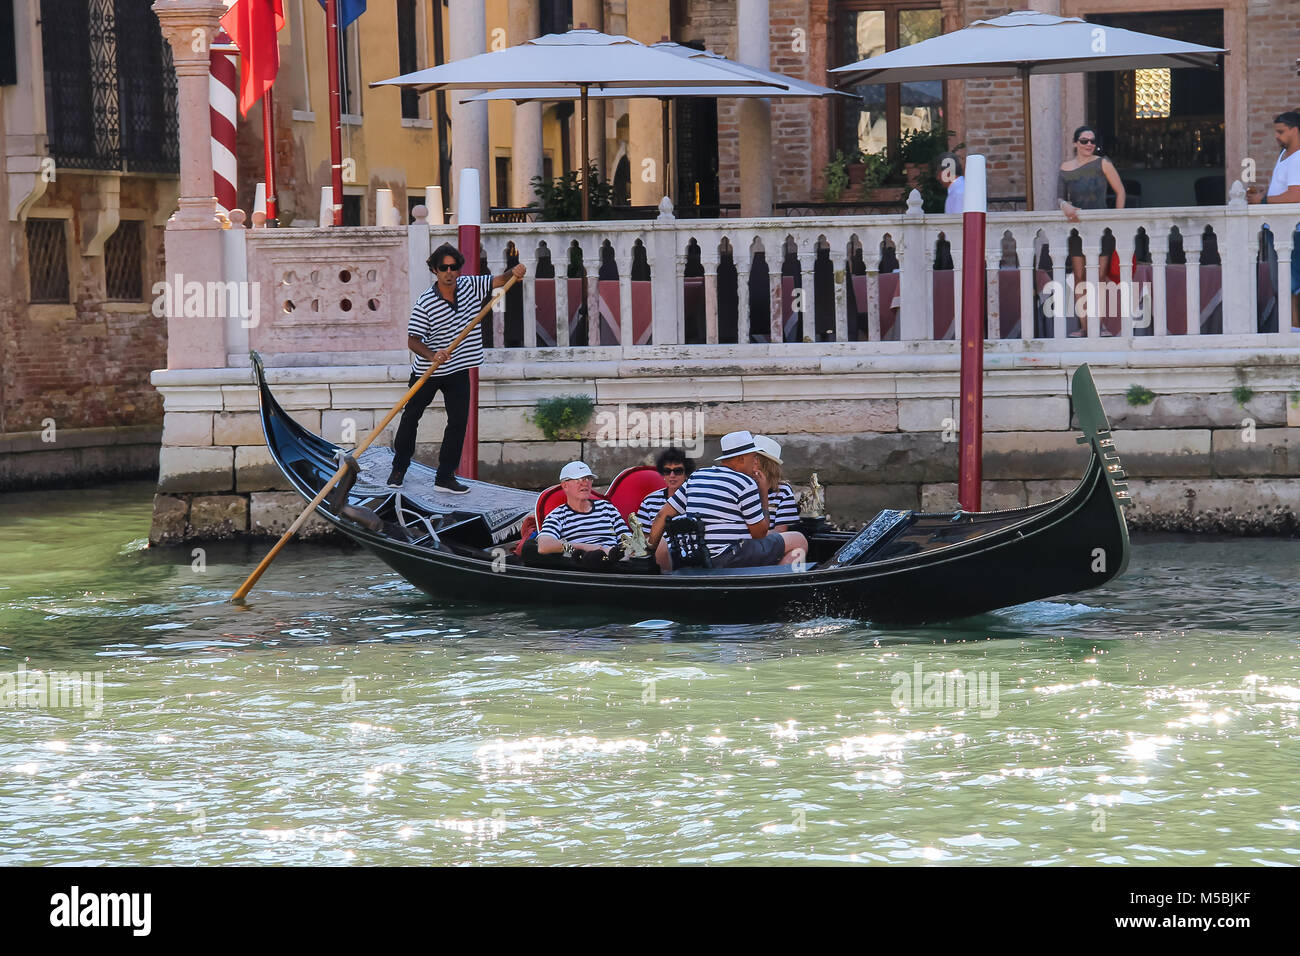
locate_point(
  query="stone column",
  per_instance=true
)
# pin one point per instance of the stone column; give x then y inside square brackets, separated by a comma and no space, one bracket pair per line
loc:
[526,161]
[193,239]
[752,37]
[467,23]
[647,23]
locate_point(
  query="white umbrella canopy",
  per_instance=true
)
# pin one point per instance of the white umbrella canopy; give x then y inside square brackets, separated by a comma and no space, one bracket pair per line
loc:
[582,59]
[767,83]
[771,85]
[1024,43]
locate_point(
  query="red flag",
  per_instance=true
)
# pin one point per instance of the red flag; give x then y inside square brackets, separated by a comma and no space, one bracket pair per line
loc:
[253,25]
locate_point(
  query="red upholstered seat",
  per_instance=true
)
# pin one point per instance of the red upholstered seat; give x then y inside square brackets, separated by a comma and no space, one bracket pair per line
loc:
[630,486]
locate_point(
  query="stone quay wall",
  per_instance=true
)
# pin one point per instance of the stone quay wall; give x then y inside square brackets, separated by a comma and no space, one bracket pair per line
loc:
[1210,438]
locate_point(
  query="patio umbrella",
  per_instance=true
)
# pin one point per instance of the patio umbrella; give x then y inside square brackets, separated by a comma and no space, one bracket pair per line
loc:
[1022,44]
[773,86]
[582,60]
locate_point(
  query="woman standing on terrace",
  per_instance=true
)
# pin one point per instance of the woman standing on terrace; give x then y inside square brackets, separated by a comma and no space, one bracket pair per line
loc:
[1081,184]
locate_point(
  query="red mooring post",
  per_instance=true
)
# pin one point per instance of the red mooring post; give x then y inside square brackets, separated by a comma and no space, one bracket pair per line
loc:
[973,322]
[336,140]
[468,220]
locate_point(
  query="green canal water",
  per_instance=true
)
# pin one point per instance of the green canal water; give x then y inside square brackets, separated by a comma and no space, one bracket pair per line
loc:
[340,718]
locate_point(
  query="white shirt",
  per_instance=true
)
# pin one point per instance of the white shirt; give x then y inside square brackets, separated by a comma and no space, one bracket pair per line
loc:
[1285,174]
[956,197]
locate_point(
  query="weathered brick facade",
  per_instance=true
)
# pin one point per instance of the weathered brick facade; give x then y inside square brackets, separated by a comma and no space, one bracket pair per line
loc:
[85,364]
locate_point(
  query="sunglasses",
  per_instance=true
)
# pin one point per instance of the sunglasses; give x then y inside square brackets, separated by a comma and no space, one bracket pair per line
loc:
[679,470]
[1085,142]
[448,267]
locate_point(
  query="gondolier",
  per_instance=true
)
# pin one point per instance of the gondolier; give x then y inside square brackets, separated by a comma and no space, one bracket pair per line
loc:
[445,308]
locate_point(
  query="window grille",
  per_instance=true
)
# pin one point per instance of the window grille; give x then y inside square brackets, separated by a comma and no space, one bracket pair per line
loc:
[123,263]
[110,91]
[47,260]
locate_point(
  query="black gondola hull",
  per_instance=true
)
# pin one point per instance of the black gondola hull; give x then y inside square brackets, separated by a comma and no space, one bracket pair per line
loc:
[1075,543]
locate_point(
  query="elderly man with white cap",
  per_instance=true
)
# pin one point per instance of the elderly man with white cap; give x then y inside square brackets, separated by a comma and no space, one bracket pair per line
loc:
[583,522]
[726,497]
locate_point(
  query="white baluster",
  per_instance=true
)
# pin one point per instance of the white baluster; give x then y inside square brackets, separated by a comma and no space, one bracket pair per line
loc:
[743,256]
[871,256]
[1159,294]
[1284,240]
[1192,247]
[528,256]
[623,260]
[709,260]
[560,259]
[1025,256]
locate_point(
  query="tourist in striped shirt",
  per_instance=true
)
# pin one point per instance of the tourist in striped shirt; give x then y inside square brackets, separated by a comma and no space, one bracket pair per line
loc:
[583,522]
[782,506]
[727,499]
[673,465]
[439,315]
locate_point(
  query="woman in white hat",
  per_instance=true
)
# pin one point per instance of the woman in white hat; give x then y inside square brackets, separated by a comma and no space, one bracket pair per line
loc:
[782,505]
[583,522]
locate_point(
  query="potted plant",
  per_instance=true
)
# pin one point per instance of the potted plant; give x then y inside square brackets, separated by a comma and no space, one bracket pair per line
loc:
[917,150]
[842,173]
[879,183]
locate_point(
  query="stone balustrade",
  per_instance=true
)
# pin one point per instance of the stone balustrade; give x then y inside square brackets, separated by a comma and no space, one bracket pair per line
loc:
[855,286]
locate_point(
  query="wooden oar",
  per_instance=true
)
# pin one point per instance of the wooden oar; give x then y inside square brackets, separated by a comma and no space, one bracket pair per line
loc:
[338,475]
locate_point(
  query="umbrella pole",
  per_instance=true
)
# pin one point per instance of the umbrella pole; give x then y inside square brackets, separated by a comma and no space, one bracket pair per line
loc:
[668,182]
[1029,139]
[586,168]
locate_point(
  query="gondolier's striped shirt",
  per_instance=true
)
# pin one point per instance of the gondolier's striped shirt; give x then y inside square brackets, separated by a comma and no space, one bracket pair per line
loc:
[435,321]
[725,500]
[601,526]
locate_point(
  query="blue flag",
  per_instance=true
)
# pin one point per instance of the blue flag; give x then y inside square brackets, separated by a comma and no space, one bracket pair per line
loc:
[349,10]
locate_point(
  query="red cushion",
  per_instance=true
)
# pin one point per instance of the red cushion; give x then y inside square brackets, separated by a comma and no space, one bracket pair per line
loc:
[630,487]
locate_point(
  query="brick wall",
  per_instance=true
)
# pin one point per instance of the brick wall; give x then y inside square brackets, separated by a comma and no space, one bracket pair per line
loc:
[85,364]
[1272,47]
[994,123]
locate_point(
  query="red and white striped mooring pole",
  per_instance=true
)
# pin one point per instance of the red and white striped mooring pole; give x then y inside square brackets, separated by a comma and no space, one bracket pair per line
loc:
[223,105]
[973,308]
[468,220]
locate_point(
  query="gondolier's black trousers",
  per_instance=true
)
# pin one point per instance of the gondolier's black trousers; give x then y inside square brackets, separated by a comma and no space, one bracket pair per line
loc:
[455,392]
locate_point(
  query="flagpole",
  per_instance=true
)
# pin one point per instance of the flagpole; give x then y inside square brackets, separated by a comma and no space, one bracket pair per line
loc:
[268,141]
[336,133]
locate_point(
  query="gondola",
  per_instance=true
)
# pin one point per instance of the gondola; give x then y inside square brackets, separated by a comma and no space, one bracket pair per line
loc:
[902,568]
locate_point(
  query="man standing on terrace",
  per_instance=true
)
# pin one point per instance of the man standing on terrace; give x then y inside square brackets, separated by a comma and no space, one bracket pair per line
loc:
[1284,186]
[439,315]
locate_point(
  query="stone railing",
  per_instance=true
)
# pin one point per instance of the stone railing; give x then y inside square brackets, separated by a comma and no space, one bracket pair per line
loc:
[852,285]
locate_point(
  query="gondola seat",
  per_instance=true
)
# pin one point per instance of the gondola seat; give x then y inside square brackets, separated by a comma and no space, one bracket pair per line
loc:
[630,487]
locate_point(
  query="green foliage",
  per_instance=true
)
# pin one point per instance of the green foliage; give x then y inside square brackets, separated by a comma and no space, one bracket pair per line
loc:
[560,199]
[563,417]
[1243,394]
[1137,395]
[880,170]
[1295,399]
[922,146]
[837,174]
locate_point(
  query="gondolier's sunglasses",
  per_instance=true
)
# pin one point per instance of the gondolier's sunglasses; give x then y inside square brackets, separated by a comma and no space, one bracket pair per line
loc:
[678,470]
[445,266]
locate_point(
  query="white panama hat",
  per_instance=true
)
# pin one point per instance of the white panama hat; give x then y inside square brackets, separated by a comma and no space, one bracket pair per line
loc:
[768,448]
[576,469]
[735,444]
